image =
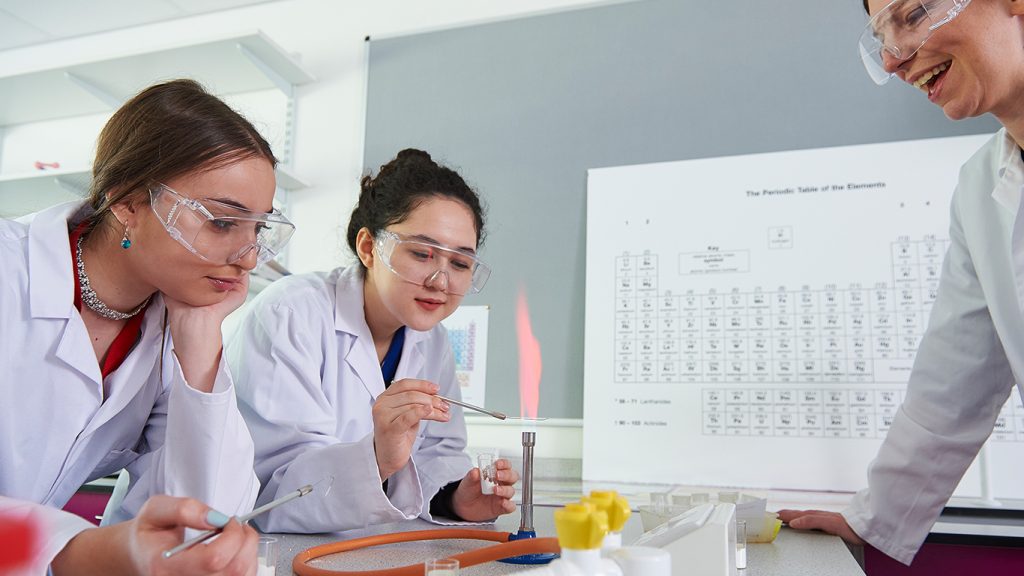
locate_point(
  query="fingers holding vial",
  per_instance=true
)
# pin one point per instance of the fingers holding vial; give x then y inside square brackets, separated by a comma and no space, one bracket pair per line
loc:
[496,476]
[488,473]
[486,492]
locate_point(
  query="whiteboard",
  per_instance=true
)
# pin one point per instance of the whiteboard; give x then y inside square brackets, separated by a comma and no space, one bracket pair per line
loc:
[752,320]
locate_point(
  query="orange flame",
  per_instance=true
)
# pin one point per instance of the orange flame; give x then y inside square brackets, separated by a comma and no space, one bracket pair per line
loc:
[529,360]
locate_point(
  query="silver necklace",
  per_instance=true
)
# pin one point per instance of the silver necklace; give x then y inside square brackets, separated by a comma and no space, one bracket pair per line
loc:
[93,301]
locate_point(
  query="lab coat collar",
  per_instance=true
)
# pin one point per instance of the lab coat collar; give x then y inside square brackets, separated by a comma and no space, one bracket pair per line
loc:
[51,285]
[51,295]
[1010,171]
[411,364]
[137,368]
[350,318]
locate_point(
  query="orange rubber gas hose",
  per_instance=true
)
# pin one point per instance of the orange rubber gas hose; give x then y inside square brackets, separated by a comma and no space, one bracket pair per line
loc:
[471,558]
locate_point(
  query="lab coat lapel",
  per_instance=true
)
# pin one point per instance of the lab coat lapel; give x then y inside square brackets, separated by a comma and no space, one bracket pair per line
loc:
[350,319]
[134,373]
[52,287]
[1005,291]
[75,350]
[411,364]
[990,229]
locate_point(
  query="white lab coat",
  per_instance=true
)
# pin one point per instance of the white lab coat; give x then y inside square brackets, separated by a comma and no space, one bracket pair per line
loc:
[53,530]
[61,425]
[967,363]
[308,376]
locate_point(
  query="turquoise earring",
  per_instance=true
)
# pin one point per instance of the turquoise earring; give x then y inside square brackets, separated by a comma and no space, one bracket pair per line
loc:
[125,242]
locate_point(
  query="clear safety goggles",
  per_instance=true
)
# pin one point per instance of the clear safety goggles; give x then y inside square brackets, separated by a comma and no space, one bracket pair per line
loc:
[218,232]
[420,262]
[900,29]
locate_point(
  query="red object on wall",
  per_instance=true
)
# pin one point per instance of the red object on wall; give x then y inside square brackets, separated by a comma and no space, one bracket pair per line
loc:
[948,560]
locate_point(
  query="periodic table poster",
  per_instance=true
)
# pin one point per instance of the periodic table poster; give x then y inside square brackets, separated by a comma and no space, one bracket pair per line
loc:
[752,320]
[467,333]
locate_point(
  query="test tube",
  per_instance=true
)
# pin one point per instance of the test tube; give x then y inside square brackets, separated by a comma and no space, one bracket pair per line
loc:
[741,544]
[488,473]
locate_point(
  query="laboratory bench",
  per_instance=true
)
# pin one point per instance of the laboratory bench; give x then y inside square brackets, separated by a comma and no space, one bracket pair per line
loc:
[965,540]
[792,554]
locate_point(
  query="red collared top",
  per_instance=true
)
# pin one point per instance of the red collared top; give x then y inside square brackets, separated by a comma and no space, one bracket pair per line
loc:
[128,335]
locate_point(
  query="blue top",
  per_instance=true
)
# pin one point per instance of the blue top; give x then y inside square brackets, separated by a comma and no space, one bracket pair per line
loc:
[389,366]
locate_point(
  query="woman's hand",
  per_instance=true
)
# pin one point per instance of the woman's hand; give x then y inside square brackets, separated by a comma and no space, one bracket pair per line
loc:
[396,421]
[137,546]
[196,332]
[159,527]
[830,522]
[474,506]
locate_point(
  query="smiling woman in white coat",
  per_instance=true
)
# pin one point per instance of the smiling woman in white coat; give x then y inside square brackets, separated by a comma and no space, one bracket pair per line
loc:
[968,58]
[338,371]
[112,311]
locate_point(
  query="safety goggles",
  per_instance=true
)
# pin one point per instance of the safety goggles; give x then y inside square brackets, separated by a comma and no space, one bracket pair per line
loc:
[420,262]
[218,232]
[900,29]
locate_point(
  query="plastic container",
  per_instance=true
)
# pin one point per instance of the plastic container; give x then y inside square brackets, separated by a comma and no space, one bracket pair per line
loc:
[763,530]
[653,516]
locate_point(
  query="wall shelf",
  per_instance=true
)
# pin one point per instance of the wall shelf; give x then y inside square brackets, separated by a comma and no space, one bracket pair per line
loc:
[228,65]
[28,192]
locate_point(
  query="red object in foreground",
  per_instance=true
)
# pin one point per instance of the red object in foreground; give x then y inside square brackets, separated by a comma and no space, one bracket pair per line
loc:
[20,538]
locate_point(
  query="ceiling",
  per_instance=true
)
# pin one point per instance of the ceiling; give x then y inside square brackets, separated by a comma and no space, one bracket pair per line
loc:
[27,22]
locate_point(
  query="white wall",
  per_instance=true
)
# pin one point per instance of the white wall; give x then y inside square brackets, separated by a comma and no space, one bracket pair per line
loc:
[329,37]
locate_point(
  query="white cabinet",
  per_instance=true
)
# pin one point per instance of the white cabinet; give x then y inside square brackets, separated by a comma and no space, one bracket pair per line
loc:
[226,66]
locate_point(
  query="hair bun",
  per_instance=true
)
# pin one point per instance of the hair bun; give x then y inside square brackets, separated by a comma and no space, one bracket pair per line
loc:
[414,153]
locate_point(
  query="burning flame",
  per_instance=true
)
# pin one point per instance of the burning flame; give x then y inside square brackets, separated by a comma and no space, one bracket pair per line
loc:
[529,360]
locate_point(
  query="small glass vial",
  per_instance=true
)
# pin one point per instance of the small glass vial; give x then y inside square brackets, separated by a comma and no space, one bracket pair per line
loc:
[698,498]
[441,567]
[731,496]
[266,552]
[741,544]
[488,473]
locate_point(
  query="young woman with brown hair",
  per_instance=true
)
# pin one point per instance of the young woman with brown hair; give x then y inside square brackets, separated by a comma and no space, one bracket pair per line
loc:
[112,310]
